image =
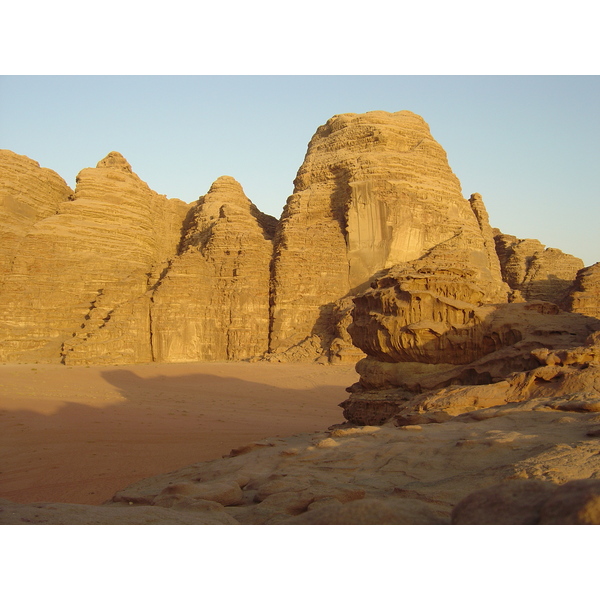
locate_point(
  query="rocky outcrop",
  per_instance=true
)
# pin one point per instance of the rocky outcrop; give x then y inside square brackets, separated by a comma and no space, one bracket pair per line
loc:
[28,194]
[584,295]
[213,301]
[425,326]
[121,274]
[116,273]
[82,270]
[534,271]
[374,190]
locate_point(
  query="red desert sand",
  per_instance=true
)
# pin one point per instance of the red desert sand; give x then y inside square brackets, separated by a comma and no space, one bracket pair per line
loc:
[79,434]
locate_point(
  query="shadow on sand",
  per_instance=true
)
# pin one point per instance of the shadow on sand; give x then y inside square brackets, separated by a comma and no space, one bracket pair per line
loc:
[134,427]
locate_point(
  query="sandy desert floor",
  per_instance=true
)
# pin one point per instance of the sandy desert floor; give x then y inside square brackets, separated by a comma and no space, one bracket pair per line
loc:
[79,434]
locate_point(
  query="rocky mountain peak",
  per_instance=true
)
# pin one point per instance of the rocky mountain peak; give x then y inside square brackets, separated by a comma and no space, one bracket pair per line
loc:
[115,160]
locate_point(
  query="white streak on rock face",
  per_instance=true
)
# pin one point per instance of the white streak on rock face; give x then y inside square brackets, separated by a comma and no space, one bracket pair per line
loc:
[374,190]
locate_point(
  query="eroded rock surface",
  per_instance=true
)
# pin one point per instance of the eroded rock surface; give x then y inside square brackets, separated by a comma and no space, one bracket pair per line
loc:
[584,296]
[534,271]
[414,474]
[430,324]
[28,194]
[80,271]
[213,301]
[375,190]
[116,273]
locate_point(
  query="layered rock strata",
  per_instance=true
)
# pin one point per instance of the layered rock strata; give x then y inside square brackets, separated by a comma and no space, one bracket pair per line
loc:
[374,190]
[28,194]
[213,301]
[533,271]
[116,273]
[425,329]
[584,295]
[77,268]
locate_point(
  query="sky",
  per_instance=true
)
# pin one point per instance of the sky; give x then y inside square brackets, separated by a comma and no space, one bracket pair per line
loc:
[528,144]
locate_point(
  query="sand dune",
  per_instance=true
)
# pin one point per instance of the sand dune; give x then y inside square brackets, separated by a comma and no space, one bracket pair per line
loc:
[79,434]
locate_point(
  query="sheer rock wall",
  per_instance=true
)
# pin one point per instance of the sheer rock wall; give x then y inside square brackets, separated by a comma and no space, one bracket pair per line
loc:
[75,268]
[213,302]
[375,190]
[116,273]
[28,194]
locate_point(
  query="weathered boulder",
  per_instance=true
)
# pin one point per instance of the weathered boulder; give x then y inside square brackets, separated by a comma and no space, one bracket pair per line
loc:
[425,328]
[530,502]
[513,502]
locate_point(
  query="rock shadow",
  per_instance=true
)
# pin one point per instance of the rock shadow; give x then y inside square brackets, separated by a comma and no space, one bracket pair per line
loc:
[83,453]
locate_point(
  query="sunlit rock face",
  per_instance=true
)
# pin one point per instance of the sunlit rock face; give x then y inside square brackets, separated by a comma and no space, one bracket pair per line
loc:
[213,301]
[584,295]
[375,190]
[377,255]
[80,271]
[533,271]
[28,194]
[425,326]
[116,273]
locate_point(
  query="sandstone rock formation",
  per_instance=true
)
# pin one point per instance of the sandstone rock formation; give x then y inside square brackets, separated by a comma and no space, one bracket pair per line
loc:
[82,269]
[28,194]
[425,329]
[116,273]
[213,301]
[584,295]
[534,271]
[374,190]
[121,274]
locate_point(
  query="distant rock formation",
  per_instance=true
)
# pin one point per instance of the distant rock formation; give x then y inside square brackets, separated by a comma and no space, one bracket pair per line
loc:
[212,302]
[28,194]
[87,265]
[116,273]
[534,271]
[584,295]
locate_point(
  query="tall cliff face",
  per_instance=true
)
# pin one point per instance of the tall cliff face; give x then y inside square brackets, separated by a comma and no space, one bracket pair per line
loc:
[374,190]
[376,232]
[76,271]
[28,194]
[213,302]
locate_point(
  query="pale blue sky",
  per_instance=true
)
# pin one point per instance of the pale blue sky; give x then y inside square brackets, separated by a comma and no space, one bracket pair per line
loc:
[528,144]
